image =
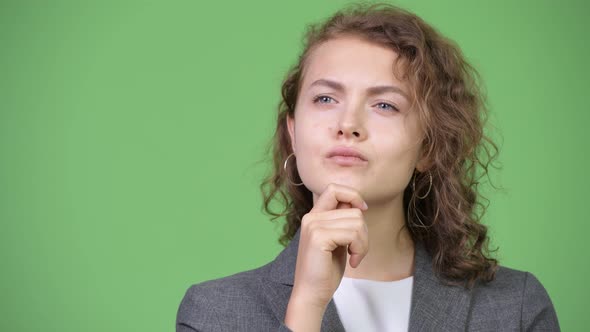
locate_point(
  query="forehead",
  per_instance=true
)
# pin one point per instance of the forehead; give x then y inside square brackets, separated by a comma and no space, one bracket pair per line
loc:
[351,60]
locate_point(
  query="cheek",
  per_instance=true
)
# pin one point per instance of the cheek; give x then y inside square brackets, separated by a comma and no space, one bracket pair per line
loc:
[311,144]
[309,131]
[396,150]
[308,142]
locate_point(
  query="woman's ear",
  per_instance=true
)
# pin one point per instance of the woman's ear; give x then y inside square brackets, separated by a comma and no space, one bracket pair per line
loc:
[421,166]
[291,129]
[423,163]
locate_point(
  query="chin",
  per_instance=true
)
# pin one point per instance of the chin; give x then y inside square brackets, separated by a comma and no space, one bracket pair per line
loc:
[345,180]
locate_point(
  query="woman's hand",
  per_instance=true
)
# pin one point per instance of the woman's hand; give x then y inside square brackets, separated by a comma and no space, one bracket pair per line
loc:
[333,227]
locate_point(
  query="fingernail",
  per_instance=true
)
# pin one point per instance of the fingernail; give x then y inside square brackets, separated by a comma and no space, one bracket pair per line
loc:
[365,205]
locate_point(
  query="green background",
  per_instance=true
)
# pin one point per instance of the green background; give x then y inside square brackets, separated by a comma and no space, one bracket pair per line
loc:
[130,135]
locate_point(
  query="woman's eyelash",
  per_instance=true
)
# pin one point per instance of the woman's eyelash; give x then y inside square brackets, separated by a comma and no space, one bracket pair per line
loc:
[392,107]
[316,99]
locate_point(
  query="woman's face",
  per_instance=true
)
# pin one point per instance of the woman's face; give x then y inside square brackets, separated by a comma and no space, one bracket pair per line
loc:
[350,98]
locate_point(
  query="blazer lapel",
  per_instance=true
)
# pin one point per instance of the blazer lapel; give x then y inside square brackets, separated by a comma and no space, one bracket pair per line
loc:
[434,305]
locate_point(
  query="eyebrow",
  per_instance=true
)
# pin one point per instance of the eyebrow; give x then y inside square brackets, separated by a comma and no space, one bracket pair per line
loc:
[375,90]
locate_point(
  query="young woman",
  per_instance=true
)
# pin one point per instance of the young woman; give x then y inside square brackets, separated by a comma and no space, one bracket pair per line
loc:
[377,149]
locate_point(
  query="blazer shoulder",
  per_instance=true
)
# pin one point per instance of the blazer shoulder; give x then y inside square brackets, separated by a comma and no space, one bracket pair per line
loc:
[204,303]
[234,282]
[515,296]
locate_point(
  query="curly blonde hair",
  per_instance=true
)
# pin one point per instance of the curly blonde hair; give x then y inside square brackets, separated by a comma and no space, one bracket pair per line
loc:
[447,92]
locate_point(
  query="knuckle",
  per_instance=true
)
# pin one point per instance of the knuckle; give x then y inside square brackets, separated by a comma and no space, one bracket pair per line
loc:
[366,242]
[361,235]
[357,212]
[315,235]
[306,221]
[331,187]
[358,234]
[360,226]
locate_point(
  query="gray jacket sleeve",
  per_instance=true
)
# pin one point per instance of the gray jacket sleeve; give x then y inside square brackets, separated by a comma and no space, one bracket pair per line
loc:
[538,313]
[196,312]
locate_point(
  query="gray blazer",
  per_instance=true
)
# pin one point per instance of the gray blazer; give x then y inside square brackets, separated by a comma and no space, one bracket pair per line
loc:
[256,300]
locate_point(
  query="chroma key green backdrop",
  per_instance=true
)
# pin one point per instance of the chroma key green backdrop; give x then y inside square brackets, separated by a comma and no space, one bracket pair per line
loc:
[130,135]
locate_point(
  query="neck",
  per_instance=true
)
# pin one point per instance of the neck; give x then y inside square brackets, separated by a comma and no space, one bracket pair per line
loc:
[391,248]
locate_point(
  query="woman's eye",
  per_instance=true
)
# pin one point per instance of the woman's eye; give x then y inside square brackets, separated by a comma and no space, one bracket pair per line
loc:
[390,106]
[326,99]
[319,98]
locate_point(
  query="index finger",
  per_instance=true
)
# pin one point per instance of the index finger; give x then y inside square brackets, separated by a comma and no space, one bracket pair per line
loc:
[338,193]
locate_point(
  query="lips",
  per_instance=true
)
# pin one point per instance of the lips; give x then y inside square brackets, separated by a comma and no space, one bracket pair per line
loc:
[345,151]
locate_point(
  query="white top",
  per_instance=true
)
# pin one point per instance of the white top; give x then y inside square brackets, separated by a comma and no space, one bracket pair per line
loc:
[371,305]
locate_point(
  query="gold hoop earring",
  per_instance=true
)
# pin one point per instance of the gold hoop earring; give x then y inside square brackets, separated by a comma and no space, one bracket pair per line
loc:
[287,172]
[414,185]
[421,224]
[413,203]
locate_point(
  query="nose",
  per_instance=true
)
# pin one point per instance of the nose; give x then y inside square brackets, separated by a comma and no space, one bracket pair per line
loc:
[350,123]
